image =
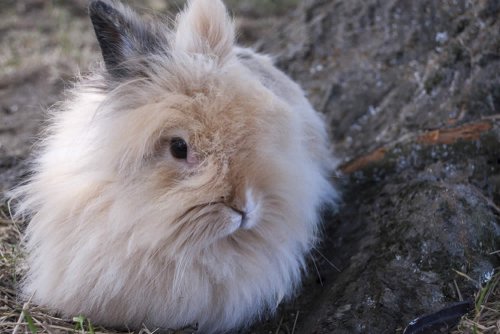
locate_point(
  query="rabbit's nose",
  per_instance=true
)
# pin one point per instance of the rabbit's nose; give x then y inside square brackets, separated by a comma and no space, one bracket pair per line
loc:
[241,212]
[236,217]
[242,215]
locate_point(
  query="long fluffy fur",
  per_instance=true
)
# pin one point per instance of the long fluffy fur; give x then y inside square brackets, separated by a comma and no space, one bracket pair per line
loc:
[125,234]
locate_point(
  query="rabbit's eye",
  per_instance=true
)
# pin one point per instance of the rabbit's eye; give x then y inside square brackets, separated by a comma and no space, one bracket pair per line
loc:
[178,148]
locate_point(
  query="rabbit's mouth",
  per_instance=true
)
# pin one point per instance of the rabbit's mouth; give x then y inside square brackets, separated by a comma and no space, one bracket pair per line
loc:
[237,217]
[217,218]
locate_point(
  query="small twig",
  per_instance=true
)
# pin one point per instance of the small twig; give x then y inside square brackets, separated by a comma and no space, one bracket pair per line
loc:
[279,326]
[467,277]
[326,98]
[490,309]
[21,316]
[43,325]
[328,261]
[295,322]
[9,209]
[146,330]
[317,270]
[458,291]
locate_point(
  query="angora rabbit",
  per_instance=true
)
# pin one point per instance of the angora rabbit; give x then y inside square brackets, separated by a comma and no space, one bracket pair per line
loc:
[180,184]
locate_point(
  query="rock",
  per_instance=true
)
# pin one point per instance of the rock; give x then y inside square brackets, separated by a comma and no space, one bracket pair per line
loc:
[378,73]
[409,222]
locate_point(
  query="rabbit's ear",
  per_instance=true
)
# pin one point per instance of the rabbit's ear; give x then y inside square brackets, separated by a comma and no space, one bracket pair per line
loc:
[205,27]
[122,36]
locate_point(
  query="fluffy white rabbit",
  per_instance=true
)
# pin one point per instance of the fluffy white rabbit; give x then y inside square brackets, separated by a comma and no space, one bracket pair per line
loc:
[179,184]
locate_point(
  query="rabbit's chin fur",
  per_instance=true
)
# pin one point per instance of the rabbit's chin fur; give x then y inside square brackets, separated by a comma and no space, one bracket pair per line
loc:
[126,234]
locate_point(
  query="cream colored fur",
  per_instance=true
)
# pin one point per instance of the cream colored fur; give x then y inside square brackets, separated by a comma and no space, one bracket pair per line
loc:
[125,234]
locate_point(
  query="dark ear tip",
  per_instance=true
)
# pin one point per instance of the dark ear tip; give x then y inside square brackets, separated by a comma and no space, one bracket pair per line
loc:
[100,7]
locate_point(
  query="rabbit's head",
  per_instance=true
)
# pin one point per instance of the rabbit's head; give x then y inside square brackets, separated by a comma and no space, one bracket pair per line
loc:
[180,184]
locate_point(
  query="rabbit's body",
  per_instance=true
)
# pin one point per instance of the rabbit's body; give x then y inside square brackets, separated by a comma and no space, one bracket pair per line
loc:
[127,228]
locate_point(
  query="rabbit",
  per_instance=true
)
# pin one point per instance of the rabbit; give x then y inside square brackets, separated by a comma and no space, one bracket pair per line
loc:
[179,183]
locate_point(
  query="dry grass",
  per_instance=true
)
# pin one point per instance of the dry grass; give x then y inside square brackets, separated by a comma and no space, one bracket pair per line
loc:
[485,318]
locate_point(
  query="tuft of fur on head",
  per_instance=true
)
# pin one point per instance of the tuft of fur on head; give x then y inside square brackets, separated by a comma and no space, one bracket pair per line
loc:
[128,228]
